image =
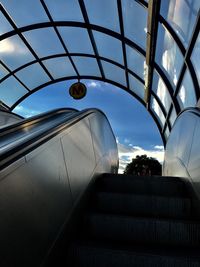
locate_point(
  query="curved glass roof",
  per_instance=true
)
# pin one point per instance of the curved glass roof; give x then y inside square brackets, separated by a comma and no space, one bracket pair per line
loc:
[151,49]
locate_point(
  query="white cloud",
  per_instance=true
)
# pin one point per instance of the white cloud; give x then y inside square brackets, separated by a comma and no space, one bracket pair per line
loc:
[159,147]
[126,141]
[127,153]
[25,112]
[8,46]
[93,84]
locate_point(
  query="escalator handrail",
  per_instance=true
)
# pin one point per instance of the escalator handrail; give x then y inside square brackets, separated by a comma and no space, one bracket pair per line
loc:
[16,150]
[32,120]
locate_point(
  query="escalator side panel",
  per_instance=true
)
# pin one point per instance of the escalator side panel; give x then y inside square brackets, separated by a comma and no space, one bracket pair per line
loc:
[79,156]
[40,190]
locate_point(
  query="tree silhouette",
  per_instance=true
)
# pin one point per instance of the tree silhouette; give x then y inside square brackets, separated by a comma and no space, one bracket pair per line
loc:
[143,165]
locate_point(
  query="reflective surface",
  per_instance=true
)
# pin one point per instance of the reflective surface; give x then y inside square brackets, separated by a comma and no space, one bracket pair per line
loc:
[48,38]
[168,55]
[104,42]
[136,86]
[103,13]
[186,95]
[114,73]
[87,66]
[59,67]
[11,90]
[196,56]
[36,72]
[161,91]
[14,53]
[157,110]
[182,16]
[76,40]
[135,21]
[40,190]
[182,150]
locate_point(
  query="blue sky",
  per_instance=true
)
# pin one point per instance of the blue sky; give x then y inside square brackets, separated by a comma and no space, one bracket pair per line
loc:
[135,130]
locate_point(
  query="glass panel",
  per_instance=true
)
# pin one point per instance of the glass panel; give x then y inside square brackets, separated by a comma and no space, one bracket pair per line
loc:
[109,47]
[186,96]
[76,40]
[45,42]
[14,53]
[5,25]
[25,12]
[182,16]
[11,90]
[136,86]
[136,61]
[3,71]
[87,66]
[103,13]
[168,55]
[135,22]
[60,67]
[114,73]
[33,76]
[173,116]
[157,110]
[166,133]
[196,57]
[161,91]
[62,10]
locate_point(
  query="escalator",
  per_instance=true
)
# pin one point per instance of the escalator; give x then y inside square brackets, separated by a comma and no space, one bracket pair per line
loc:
[143,221]
[134,221]
[47,164]
[62,202]
[23,135]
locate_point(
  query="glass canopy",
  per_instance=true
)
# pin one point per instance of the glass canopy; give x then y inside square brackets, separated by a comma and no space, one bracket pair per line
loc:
[151,49]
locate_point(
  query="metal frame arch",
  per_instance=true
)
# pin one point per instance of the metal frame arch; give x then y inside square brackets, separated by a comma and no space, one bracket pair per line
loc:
[72,55]
[82,77]
[98,79]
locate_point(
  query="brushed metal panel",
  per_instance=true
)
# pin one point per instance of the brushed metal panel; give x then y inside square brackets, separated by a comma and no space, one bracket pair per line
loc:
[8,118]
[194,163]
[97,124]
[178,148]
[34,202]
[103,140]
[79,156]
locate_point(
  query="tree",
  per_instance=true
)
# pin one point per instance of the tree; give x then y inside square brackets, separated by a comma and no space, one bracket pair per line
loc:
[143,165]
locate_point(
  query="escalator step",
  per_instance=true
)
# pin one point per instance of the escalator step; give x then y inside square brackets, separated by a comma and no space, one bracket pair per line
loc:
[151,185]
[86,256]
[144,205]
[143,230]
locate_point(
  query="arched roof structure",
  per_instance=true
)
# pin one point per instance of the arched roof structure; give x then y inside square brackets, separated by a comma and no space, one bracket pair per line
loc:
[151,49]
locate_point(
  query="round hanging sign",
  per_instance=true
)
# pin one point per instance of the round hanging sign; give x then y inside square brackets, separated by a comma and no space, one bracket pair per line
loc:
[77,90]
